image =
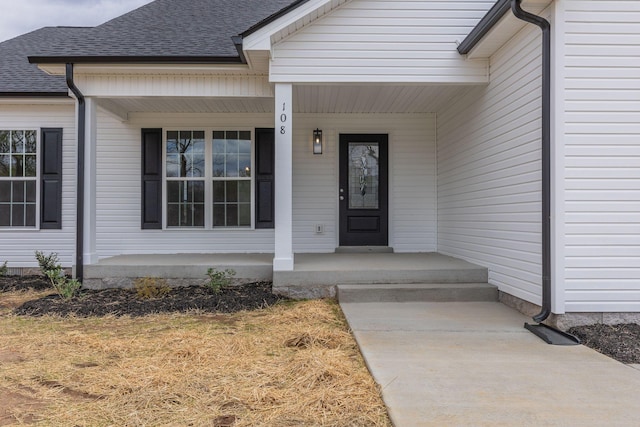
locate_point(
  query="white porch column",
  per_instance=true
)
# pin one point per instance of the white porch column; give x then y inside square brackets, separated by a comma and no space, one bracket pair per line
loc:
[89,251]
[283,259]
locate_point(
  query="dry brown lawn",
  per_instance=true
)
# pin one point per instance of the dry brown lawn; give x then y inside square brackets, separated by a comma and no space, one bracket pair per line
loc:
[294,364]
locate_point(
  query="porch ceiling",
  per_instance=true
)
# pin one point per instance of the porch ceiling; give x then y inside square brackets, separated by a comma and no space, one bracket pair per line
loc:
[307,99]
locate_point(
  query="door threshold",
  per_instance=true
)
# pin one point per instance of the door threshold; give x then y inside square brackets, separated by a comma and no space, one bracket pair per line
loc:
[364,249]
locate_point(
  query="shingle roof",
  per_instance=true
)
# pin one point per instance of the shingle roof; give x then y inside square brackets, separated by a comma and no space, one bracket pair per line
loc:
[18,76]
[165,29]
[169,28]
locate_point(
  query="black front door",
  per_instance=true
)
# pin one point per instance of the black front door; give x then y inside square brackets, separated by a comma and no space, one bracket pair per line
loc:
[363,190]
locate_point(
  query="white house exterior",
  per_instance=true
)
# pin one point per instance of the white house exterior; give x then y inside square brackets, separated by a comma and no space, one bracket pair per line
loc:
[462,133]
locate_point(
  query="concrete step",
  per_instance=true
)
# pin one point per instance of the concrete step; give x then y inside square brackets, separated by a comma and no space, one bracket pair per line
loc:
[420,292]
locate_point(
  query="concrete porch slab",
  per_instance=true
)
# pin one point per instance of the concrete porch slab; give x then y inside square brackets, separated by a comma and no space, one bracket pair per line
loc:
[434,292]
[184,269]
[316,275]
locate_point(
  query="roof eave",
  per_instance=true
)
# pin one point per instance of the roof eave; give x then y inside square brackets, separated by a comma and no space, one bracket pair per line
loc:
[497,11]
[135,60]
[33,94]
[273,17]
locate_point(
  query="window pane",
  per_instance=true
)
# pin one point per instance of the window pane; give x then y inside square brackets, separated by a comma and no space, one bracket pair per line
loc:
[218,191]
[218,165]
[173,191]
[218,215]
[232,165]
[245,134]
[172,142]
[232,191]
[218,135]
[199,137]
[232,145]
[197,191]
[30,142]
[17,165]
[17,142]
[197,166]
[31,215]
[173,215]
[232,134]
[244,191]
[18,191]
[5,164]
[232,215]
[30,165]
[4,141]
[245,214]
[5,215]
[244,146]
[31,191]
[173,165]
[244,165]
[198,215]
[17,215]
[5,191]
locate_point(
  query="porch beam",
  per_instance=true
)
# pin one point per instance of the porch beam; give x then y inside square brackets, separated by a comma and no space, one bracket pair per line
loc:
[283,258]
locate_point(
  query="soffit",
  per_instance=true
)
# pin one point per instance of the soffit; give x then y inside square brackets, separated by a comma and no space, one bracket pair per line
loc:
[321,99]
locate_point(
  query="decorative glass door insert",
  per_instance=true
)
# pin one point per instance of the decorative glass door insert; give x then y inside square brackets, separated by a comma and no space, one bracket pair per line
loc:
[364,175]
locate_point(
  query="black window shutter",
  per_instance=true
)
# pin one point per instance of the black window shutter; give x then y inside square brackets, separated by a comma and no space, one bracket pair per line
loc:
[265,165]
[51,178]
[151,179]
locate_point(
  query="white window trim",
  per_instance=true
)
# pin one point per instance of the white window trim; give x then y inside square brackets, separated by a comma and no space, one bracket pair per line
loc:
[37,178]
[208,179]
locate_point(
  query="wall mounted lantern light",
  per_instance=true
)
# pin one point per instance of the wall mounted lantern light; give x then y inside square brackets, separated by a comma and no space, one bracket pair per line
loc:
[317,141]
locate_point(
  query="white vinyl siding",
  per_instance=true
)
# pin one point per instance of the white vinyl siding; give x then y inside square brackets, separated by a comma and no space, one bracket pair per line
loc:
[315,184]
[175,83]
[489,191]
[383,41]
[17,246]
[602,146]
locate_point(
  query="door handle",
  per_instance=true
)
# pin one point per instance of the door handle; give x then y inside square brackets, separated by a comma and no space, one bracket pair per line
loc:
[341,197]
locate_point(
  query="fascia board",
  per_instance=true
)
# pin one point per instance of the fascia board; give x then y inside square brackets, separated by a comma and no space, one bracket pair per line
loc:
[505,29]
[261,39]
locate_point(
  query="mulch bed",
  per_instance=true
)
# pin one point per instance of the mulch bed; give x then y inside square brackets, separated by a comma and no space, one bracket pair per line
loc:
[125,302]
[621,342]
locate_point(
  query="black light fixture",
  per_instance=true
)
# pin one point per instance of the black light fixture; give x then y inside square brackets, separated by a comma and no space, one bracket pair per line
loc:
[317,141]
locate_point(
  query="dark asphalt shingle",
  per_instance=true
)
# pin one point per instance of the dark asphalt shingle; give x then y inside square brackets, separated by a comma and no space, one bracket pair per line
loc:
[179,28]
[17,75]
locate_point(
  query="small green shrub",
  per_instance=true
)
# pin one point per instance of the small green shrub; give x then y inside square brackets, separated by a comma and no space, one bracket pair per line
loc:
[66,287]
[151,287]
[219,279]
[47,262]
[51,268]
[4,270]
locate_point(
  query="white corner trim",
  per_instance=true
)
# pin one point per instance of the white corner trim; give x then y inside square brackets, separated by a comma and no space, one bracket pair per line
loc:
[558,222]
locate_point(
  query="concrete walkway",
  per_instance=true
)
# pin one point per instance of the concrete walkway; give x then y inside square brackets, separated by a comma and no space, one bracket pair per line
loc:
[473,364]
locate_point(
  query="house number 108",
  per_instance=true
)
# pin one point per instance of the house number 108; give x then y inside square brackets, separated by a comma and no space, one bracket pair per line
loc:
[283,119]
